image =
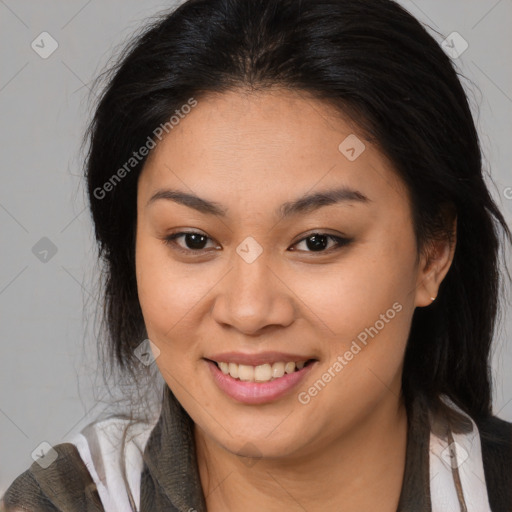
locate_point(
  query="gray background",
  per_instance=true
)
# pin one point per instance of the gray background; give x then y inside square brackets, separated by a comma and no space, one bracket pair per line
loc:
[48,388]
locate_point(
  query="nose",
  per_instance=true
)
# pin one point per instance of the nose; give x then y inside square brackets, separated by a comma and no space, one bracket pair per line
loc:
[254,296]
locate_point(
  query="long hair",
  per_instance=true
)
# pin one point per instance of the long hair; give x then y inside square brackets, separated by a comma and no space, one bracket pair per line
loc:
[372,61]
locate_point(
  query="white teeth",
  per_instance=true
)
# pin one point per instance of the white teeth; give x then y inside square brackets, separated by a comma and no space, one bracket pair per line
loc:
[289,368]
[261,373]
[245,372]
[233,370]
[277,370]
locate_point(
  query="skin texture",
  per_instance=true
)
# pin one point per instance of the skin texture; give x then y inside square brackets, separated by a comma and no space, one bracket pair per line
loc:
[250,152]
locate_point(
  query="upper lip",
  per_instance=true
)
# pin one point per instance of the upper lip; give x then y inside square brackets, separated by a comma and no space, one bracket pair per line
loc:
[257,359]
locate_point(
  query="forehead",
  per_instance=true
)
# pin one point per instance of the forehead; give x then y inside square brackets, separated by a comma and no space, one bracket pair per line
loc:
[264,146]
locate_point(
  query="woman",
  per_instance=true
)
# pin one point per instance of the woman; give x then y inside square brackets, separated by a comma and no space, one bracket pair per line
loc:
[289,201]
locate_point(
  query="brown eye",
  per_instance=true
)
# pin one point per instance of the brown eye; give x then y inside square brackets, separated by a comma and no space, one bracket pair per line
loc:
[194,242]
[317,242]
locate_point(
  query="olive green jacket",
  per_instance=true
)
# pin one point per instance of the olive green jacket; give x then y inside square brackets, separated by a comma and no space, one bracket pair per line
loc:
[169,480]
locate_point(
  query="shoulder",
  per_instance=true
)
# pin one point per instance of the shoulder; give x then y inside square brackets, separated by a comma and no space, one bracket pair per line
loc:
[98,469]
[113,450]
[495,430]
[63,485]
[496,441]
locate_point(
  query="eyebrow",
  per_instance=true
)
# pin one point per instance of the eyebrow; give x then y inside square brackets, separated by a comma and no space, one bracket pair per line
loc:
[304,204]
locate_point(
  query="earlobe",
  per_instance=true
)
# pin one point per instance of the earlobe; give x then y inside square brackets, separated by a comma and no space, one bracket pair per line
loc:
[426,289]
[435,264]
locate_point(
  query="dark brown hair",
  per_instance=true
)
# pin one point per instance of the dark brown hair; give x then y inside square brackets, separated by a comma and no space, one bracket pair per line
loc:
[369,59]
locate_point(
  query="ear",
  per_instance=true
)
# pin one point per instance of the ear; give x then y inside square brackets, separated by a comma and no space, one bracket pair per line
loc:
[435,262]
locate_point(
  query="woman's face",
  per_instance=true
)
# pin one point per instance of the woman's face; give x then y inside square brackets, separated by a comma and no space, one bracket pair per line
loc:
[254,287]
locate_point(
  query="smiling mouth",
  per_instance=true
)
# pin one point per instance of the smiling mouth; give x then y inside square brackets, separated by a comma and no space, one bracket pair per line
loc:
[263,372]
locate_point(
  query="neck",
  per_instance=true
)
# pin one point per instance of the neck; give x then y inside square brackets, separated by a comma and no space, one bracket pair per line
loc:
[362,469]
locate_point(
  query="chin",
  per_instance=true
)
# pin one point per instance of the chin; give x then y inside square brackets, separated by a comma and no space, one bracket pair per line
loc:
[257,444]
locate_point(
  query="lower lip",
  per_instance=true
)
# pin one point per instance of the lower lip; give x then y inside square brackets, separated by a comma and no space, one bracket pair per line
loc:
[257,392]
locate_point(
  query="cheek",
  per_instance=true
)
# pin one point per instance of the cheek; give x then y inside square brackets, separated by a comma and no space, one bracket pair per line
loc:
[356,292]
[366,303]
[171,295]
[369,321]
[161,289]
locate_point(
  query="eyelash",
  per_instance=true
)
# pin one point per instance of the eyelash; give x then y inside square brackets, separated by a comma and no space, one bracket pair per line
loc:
[171,242]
